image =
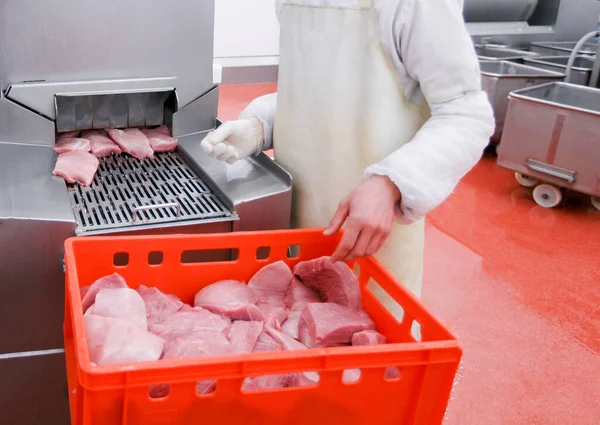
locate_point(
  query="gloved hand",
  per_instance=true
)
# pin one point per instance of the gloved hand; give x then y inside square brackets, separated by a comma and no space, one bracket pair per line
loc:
[235,140]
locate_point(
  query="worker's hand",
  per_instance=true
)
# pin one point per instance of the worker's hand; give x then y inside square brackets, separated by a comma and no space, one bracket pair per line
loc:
[369,214]
[235,140]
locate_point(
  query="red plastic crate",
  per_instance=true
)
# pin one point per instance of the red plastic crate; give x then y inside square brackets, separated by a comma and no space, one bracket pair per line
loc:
[111,395]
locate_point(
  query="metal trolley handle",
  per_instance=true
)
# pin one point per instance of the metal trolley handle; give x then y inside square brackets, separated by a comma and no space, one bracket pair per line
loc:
[138,210]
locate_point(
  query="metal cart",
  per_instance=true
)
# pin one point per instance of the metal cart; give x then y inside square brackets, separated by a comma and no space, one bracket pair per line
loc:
[499,78]
[551,140]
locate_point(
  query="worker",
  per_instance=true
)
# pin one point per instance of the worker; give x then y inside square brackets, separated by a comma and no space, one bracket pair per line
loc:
[378,115]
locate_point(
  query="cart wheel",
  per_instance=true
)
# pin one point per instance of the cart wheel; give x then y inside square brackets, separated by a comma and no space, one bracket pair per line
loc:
[547,196]
[525,181]
[596,202]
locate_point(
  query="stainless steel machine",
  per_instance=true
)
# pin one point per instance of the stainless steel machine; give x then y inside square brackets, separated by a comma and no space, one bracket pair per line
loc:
[518,23]
[87,64]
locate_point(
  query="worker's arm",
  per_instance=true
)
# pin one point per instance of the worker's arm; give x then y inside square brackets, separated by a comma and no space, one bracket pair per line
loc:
[264,109]
[437,51]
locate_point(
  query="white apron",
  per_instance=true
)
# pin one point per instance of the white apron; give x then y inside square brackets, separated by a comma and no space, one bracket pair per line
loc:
[341,108]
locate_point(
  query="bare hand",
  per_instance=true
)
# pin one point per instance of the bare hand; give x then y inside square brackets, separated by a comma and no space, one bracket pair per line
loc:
[369,214]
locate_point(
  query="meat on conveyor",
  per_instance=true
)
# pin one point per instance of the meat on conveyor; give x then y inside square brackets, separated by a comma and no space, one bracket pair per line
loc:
[69,144]
[132,141]
[100,144]
[76,166]
[160,139]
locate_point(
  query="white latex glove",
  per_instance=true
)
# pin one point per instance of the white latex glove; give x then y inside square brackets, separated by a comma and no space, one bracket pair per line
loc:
[235,140]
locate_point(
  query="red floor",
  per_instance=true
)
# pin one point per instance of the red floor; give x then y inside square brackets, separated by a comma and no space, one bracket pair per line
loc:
[520,285]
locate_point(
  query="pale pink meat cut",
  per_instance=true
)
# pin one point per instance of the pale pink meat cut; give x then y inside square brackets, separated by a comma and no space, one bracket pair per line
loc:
[185,322]
[132,141]
[231,299]
[368,338]
[159,141]
[290,344]
[163,129]
[243,336]
[298,295]
[114,341]
[266,343]
[67,135]
[198,344]
[271,283]
[273,316]
[76,166]
[159,306]
[375,338]
[121,303]
[334,282]
[72,144]
[290,326]
[101,145]
[330,325]
[88,297]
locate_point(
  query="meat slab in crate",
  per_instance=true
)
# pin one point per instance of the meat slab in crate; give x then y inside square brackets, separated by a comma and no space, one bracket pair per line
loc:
[127,192]
[171,391]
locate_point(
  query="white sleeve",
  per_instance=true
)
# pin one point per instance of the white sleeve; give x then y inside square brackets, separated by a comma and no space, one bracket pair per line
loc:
[438,53]
[264,109]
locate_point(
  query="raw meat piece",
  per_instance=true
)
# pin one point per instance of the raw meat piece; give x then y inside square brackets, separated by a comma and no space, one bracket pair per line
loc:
[298,295]
[114,341]
[229,298]
[163,129]
[266,343]
[375,338]
[132,141]
[271,283]
[290,326]
[159,306]
[334,282]
[83,290]
[121,303]
[198,344]
[76,166]
[101,145]
[243,336]
[111,281]
[290,344]
[185,322]
[329,324]
[159,141]
[72,144]
[273,316]
[368,338]
[67,135]
[268,382]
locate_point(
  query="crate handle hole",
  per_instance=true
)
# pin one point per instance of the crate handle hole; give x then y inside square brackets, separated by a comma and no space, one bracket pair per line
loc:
[209,256]
[415,331]
[386,300]
[351,376]
[121,259]
[263,253]
[206,388]
[159,392]
[294,251]
[155,258]
[274,382]
[392,374]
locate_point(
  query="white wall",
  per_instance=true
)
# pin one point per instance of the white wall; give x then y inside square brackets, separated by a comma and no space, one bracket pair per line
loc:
[246,33]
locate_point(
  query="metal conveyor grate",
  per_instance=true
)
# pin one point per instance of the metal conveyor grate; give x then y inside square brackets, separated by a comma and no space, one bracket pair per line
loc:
[128,192]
